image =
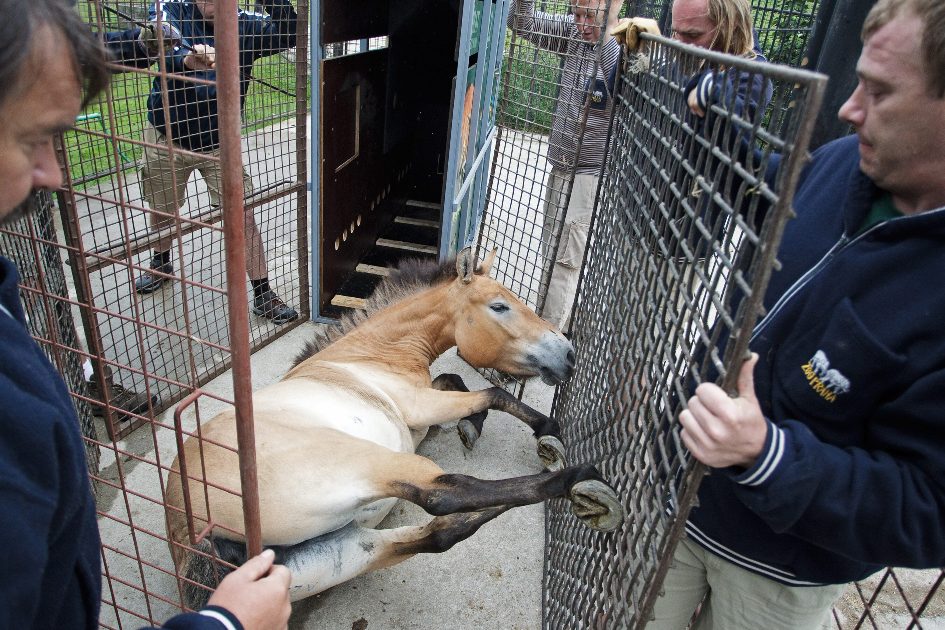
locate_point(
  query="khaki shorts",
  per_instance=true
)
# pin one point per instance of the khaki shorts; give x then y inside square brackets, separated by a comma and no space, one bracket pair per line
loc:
[566,270]
[164,178]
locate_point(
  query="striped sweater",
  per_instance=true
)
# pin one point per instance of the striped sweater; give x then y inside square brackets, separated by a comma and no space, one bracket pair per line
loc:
[557,33]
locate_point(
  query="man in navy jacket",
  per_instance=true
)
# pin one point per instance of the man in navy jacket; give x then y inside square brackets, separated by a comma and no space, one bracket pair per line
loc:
[830,463]
[184,113]
[50,575]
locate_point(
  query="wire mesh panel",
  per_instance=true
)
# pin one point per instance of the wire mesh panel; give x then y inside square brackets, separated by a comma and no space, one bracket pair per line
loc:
[34,245]
[683,241]
[784,28]
[144,209]
[542,125]
[549,130]
[546,135]
[894,598]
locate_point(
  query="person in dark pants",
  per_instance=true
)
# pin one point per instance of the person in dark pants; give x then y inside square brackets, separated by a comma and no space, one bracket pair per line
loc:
[50,574]
[184,115]
[829,463]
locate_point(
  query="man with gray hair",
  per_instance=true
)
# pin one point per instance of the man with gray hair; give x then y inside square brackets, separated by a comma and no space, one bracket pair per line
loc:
[828,465]
[591,55]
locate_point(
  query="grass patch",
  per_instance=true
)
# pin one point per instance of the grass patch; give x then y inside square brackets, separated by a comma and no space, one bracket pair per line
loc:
[532,74]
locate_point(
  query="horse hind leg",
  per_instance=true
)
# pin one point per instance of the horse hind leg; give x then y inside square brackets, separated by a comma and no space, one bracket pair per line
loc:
[333,558]
[416,479]
[592,500]
[328,560]
[462,504]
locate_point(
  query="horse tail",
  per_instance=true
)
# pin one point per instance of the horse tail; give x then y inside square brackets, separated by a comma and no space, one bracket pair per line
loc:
[199,565]
[207,567]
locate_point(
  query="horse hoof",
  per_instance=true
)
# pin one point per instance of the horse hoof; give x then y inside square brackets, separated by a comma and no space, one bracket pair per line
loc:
[468,433]
[551,453]
[596,503]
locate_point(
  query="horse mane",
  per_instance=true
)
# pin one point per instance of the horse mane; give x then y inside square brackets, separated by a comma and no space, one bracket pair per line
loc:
[409,277]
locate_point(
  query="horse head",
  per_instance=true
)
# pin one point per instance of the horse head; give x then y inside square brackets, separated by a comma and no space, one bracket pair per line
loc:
[493,328]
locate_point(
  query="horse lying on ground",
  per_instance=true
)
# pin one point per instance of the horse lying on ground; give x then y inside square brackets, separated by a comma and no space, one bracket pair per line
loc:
[335,438]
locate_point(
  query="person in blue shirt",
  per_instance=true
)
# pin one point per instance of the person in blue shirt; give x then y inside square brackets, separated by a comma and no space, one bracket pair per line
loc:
[184,114]
[50,574]
[829,463]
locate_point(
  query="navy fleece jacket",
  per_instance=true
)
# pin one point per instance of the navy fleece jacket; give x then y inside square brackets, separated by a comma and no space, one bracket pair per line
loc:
[852,379]
[50,576]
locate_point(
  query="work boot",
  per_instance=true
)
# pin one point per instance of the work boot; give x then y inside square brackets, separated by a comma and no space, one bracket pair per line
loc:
[150,281]
[268,305]
[124,401]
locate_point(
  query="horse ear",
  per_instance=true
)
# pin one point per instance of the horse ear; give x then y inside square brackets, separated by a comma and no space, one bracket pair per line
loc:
[465,265]
[487,263]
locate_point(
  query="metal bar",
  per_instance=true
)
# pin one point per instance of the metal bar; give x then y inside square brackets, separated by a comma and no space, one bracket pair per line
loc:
[301,155]
[486,149]
[228,94]
[456,121]
[315,148]
[106,255]
[182,462]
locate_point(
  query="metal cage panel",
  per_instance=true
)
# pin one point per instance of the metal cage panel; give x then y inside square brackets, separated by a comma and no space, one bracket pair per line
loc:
[682,244]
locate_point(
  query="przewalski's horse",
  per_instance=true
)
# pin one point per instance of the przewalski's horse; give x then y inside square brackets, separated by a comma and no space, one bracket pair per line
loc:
[335,438]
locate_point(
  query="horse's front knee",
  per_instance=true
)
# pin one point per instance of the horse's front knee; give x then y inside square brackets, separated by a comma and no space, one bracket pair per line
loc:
[449,382]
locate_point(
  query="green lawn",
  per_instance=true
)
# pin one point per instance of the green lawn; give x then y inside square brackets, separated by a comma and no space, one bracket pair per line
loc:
[529,99]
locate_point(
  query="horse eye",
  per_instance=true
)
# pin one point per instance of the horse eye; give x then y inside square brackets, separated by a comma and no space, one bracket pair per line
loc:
[499,307]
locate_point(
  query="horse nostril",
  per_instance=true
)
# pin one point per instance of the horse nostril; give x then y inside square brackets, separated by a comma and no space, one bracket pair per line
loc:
[571,358]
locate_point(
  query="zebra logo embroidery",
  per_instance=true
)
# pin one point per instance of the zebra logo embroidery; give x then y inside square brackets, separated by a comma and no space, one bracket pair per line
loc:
[826,381]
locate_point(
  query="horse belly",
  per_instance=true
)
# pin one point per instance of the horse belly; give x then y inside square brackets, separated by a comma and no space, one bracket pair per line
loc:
[317,481]
[314,449]
[304,404]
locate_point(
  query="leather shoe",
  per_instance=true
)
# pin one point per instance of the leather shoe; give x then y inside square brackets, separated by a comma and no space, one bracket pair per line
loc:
[269,305]
[150,281]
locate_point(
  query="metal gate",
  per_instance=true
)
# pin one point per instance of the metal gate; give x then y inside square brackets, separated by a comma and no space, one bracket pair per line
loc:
[136,353]
[683,241]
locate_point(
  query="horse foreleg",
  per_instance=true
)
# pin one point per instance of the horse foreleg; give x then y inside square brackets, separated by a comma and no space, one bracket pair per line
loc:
[336,557]
[436,406]
[469,427]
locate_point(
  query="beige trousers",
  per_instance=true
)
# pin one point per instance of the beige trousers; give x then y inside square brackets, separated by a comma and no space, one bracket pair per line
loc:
[567,265]
[738,599]
[164,184]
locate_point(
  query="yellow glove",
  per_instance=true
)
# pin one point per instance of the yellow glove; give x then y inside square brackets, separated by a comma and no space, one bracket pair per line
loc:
[628,31]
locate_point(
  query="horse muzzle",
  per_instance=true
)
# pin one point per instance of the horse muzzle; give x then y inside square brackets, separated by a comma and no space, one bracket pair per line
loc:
[552,358]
